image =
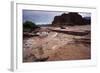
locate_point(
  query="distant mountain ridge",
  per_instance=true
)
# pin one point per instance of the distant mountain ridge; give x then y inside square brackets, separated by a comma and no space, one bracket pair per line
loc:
[87,20]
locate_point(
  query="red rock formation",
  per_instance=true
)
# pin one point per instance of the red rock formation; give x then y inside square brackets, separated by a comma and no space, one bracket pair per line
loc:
[71,18]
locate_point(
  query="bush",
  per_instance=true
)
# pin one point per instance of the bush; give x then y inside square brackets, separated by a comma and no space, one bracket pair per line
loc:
[29,26]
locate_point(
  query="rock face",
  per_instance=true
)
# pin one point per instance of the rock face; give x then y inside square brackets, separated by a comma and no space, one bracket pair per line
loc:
[71,18]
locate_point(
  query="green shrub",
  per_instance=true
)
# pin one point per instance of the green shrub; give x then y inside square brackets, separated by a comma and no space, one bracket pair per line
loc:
[29,26]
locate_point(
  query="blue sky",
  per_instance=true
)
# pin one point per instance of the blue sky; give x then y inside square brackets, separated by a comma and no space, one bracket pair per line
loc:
[44,17]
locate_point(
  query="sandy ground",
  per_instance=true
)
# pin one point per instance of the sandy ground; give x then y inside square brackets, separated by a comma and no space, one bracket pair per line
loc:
[58,46]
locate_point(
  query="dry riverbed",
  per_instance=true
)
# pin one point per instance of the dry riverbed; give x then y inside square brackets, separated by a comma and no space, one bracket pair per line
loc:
[57,46]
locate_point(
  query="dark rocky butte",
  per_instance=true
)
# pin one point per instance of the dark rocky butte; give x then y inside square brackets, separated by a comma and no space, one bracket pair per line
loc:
[72,18]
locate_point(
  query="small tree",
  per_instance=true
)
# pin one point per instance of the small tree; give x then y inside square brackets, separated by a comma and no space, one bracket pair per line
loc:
[29,26]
